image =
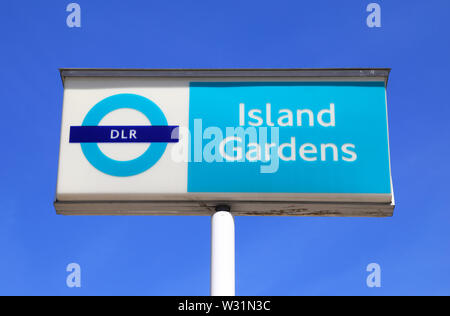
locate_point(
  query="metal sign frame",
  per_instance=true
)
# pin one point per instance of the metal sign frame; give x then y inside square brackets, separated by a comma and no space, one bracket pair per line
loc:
[247,204]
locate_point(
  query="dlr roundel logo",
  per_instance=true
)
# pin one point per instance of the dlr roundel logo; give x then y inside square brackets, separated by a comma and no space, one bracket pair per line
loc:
[89,134]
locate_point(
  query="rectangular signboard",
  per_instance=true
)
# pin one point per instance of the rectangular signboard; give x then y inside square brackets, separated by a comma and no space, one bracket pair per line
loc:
[306,142]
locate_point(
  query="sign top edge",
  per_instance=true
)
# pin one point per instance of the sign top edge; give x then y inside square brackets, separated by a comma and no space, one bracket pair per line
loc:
[228,72]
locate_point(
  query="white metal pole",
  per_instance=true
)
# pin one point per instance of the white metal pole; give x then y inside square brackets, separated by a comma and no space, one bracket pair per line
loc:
[222,253]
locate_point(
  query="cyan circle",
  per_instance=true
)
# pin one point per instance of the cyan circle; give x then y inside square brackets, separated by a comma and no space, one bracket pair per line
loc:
[132,167]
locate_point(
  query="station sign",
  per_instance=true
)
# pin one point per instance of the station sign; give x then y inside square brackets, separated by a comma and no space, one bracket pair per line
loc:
[296,142]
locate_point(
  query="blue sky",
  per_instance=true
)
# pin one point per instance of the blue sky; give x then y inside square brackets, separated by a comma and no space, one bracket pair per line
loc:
[275,256]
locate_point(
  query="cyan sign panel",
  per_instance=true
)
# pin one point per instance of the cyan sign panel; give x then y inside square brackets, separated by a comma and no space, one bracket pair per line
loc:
[332,137]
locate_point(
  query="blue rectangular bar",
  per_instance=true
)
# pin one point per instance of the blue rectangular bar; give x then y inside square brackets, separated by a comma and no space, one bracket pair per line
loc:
[124,134]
